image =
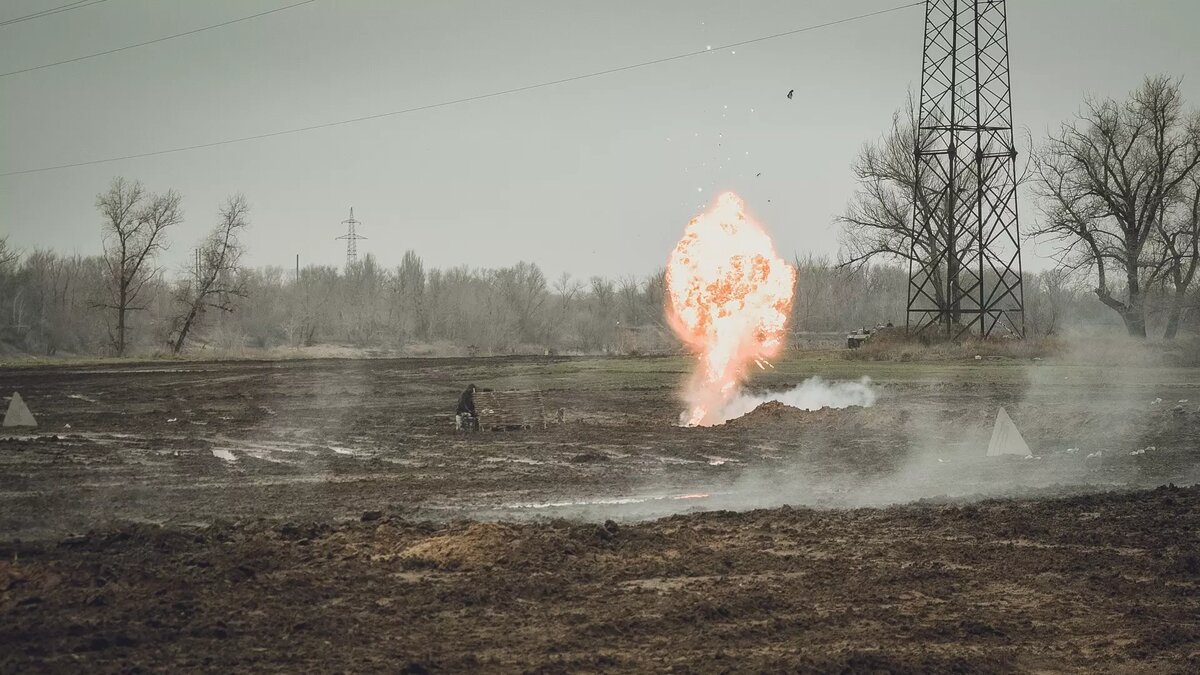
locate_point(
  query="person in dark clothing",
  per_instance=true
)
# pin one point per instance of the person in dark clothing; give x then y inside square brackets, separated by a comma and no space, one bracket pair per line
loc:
[466,402]
[464,414]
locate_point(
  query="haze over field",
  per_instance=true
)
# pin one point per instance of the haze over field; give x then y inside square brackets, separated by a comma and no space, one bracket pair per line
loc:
[674,323]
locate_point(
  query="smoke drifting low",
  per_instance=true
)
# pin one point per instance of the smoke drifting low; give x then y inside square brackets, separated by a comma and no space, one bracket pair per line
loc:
[812,394]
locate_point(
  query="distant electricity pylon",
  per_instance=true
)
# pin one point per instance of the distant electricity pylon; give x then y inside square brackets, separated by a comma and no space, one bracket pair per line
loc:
[198,266]
[351,238]
[964,274]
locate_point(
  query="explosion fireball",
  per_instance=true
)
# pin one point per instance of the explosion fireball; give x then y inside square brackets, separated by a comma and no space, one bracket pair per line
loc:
[728,298]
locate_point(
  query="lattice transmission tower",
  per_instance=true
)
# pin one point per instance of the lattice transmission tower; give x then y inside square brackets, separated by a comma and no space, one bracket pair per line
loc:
[351,238]
[965,270]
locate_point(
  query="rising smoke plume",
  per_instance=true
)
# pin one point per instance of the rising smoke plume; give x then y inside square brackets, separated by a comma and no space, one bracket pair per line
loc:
[812,394]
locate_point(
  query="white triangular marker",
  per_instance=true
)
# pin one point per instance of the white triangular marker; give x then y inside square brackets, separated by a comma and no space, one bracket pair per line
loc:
[1006,440]
[18,414]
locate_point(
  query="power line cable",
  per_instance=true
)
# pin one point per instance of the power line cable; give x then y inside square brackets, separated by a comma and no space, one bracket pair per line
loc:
[47,12]
[78,4]
[477,97]
[35,15]
[161,39]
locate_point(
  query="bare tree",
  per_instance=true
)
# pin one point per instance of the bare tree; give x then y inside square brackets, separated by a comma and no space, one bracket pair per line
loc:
[7,255]
[8,258]
[362,307]
[889,220]
[878,221]
[566,289]
[1179,232]
[134,232]
[1108,182]
[408,285]
[603,292]
[655,293]
[308,312]
[884,220]
[1047,296]
[630,292]
[523,290]
[599,328]
[215,280]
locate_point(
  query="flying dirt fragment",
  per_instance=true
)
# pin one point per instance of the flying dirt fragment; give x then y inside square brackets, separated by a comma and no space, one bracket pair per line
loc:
[1006,440]
[18,414]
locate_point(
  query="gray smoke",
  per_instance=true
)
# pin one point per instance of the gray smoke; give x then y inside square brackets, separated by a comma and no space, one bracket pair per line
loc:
[812,394]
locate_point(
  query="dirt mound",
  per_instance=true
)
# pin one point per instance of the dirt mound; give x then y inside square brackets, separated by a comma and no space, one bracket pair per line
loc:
[771,411]
[479,545]
[774,413]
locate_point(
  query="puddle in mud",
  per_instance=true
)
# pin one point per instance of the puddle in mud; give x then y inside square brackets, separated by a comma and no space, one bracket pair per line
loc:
[268,457]
[515,460]
[607,501]
[134,371]
[405,461]
[674,460]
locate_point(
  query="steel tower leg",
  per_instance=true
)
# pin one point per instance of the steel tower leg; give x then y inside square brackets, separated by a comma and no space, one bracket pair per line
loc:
[965,273]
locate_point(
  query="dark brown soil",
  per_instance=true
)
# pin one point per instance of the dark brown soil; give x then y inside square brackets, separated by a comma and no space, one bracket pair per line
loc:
[766,413]
[1083,584]
[324,516]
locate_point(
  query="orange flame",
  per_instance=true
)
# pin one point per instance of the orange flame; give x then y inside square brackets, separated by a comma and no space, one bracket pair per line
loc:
[729,296]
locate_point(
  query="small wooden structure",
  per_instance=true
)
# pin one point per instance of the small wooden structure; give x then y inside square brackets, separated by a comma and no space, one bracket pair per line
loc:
[510,410]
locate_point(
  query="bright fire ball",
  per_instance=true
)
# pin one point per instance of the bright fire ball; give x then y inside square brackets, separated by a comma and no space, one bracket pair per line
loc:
[729,297]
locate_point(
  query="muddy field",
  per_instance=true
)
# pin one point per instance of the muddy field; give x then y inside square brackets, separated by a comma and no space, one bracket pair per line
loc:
[323,514]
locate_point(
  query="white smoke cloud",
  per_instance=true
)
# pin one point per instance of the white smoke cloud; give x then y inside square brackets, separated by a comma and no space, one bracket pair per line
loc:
[812,394]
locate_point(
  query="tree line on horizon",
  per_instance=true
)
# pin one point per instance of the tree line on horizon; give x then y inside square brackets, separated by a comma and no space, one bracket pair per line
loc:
[59,304]
[1118,188]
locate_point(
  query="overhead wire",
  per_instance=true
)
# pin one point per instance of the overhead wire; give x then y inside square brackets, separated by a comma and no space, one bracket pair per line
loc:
[156,40]
[467,99]
[78,4]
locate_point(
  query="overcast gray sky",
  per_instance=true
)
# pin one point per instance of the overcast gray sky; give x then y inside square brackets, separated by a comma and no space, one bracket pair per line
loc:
[597,176]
